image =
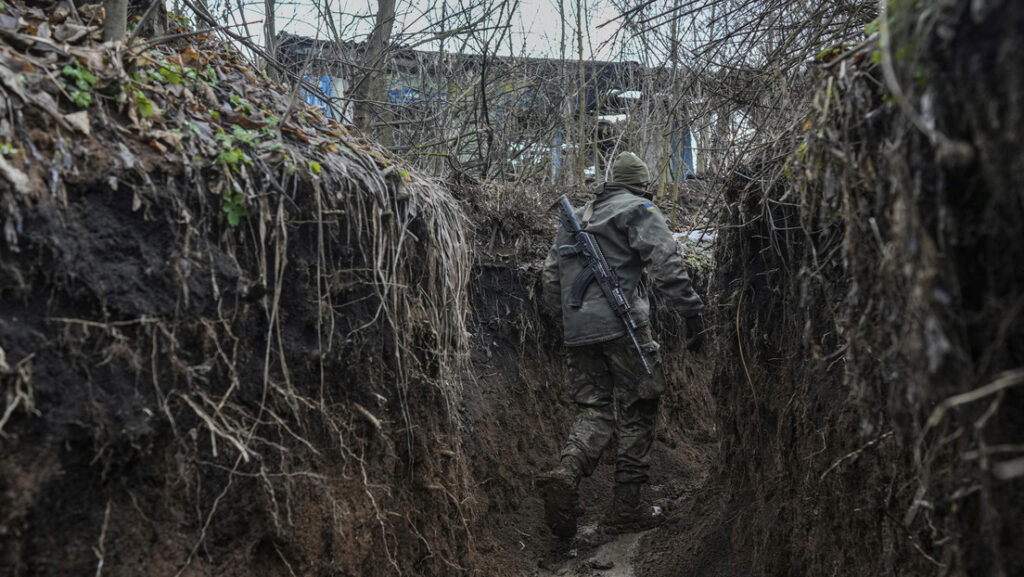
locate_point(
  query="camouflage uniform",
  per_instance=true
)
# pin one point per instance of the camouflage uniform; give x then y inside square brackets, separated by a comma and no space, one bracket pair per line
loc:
[613,393]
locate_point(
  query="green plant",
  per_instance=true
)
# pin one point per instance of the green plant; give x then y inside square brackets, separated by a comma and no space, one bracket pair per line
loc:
[84,81]
[231,154]
[6,148]
[144,105]
[315,167]
[697,257]
[166,73]
[209,75]
[179,19]
[801,151]
[234,207]
[163,74]
[270,126]
[242,104]
[249,137]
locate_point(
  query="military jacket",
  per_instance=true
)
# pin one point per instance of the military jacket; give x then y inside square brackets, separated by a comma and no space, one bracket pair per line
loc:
[633,236]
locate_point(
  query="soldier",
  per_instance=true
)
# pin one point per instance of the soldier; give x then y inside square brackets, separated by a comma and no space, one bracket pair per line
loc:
[614,395]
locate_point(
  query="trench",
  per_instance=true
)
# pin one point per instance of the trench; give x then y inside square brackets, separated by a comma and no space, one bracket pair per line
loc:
[354,379]
[521,414]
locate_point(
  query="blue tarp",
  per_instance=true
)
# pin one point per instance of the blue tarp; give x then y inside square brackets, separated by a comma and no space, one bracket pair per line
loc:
[325,85]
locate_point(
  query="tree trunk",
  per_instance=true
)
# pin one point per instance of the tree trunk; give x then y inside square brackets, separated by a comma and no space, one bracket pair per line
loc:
[116,21]
[581,105]
[371,90]
[270,30]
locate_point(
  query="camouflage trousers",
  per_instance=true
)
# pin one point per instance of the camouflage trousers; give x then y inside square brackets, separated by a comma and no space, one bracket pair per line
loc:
[615,396]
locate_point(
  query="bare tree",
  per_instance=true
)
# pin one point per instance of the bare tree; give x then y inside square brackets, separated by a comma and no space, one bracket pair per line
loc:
[270,27]
[373,84]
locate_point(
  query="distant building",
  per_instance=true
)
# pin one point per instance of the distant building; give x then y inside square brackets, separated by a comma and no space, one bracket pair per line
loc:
[532,104]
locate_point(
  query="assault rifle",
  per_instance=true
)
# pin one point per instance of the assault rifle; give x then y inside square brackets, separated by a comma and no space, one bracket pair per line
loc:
[597,269]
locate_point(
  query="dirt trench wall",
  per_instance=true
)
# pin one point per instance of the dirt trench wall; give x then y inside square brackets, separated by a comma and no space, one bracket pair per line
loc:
[161,426]
[870,360]
[184,396]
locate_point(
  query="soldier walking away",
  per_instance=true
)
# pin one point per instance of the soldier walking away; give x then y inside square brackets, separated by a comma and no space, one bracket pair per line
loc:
[615,372]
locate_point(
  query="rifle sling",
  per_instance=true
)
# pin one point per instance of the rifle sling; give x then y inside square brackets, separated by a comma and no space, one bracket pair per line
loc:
[588,213]
[569,250]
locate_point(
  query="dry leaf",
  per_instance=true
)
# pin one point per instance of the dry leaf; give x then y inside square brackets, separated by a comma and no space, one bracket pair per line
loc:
[15,176]
[80,122]
[8,22]
[92,13]
[171,138]
[72,32]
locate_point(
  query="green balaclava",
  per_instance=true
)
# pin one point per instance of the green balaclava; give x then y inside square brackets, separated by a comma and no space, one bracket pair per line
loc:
[629,169]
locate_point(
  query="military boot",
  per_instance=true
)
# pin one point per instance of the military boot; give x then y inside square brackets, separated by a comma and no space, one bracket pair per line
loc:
[628,514]
[559,489]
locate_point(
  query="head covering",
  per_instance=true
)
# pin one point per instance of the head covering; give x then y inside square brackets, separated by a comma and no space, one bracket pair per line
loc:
[629,169]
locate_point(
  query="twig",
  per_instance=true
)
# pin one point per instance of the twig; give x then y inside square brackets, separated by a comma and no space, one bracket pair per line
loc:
[739,339]
[369,416]
[1002,382]
[212,22]
[143,320]
[992,450]
[169,37]
[285,560]
[100,549]
[22,393]
[854,454]
[1007,470]
[926,555]
[74,11]
[209,518]
[957,151]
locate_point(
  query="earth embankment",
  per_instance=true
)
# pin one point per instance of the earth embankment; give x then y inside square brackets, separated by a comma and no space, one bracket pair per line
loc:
[870,356]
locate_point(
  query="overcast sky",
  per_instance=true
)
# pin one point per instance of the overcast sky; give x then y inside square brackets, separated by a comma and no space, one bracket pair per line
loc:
[536,27]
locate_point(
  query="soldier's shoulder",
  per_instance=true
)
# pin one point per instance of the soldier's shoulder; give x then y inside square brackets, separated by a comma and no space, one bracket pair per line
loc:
[627,199]
[640,206]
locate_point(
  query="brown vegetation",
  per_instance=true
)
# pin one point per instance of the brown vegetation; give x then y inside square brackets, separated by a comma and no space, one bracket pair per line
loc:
[871,349]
